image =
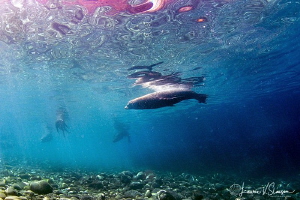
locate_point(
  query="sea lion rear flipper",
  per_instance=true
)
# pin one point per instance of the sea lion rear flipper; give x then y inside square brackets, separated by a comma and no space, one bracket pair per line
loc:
[201,98]
[57,126]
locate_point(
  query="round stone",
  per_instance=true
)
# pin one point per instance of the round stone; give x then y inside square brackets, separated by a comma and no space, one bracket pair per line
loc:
[41,187]
[2,195]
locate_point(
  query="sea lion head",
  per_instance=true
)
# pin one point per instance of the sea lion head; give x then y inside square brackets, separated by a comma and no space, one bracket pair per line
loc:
[128,106]
[134,104]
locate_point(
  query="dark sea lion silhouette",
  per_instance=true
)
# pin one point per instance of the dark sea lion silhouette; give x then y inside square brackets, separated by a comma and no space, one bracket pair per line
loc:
[164,98]
[60,122]
[47,137]
[121,135]
[122,131]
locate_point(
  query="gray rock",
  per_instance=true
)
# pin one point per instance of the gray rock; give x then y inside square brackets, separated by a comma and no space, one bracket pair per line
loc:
[150,176]
[148,193]
[168,195]
[17,186]
[197,195]
[24,176]
[101,196]
[165,195]
[219,186]
[41,187]
[86,198]
[132,194]
[127,173]
[2,183]
[11,191]
[125,179]
[140,176]
[157,183]
[63,185]
[2,195]
[96,185]
[12,198]
[136,185]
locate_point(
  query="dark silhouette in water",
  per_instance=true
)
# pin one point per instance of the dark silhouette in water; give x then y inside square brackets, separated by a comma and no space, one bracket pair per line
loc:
[60,124]
[145,74]
[153,78]
[47,138]
[164,98]
[122,131]
[120,135]
[171,88]
[145,67]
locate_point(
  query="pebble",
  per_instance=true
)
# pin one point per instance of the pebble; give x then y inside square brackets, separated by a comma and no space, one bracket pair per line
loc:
[132,194]
[11,191]
[64,185]
[140,176]
[15,198]
[2,183]
[197,195]
[24,176]
[165,195]
[2,195]
[136,185]
[125,179]
[148,194]
[96,185]
[41,187]
[219,186]
[16,186]
[155,185]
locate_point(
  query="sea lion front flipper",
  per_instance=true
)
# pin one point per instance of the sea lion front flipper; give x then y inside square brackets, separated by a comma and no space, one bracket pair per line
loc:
[151,66]
[144,67]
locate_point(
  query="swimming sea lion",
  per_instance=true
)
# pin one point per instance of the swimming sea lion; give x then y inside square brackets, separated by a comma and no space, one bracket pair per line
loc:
[60,122]
[119,136]
[164,98]
[47,137]
[122,131]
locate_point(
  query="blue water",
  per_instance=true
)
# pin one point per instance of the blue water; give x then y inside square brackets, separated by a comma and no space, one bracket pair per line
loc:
[248,51]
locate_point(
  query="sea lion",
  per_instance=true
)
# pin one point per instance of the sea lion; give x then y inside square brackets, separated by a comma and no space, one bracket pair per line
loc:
[60,122]
[120,135]
[145,76]
[122,131]
[47,137]
[164,98]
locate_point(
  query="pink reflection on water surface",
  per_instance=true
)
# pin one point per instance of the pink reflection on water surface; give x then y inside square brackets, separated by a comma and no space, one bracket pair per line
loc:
[117,5]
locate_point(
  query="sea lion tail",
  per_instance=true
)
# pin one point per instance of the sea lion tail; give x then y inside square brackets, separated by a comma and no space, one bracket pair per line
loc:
[201,98]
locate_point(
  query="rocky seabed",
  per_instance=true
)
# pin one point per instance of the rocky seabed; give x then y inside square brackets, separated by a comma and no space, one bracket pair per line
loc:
[36,184]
